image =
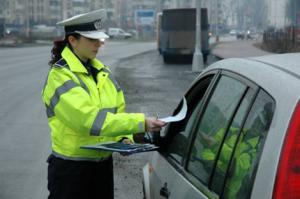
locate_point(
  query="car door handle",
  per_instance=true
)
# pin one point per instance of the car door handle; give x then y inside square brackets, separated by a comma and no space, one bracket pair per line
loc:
[164,191]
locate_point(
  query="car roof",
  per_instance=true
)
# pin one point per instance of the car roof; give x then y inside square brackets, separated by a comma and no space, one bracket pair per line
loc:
[285,62]
[279,67]
[288,63]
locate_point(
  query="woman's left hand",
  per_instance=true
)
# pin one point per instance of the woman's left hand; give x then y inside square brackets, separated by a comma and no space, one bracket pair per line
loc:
[126,141]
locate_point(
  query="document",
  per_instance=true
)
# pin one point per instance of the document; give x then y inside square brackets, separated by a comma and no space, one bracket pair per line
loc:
[121,147]
[180,116]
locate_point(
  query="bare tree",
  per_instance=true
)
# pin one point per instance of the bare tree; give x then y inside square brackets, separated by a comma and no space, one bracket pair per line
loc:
[292,8]
[251,14]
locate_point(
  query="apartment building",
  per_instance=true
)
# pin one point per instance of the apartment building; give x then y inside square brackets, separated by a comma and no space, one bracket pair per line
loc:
[33,12]
[54,12]
[13,12]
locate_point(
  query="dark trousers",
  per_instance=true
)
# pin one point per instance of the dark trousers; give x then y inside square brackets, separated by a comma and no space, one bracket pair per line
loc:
[69,179]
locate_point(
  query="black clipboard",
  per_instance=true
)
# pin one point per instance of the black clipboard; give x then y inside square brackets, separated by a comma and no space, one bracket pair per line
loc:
[122,147]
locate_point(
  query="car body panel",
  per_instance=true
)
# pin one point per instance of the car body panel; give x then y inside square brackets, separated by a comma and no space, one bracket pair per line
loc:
[173,180]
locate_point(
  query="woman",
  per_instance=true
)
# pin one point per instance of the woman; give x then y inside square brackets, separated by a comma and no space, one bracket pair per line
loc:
[85,105]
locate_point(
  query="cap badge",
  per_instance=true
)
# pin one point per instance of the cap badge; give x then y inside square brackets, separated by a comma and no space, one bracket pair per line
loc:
[98,24]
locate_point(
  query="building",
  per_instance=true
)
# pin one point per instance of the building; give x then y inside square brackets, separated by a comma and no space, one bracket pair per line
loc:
[292,15]
[127,14]
[2,17]
[13,12]
[276,12]
[55,12]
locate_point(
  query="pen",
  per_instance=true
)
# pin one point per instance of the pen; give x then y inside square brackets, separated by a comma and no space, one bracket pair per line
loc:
[149,137]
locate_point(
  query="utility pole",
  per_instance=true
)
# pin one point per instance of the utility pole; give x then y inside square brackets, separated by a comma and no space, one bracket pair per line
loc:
[27,19]
[198,58]
[159,6]
[217,21]
[178,3]
[295,13]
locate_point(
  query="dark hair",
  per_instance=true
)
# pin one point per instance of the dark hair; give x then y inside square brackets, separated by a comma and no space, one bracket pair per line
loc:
[58,46]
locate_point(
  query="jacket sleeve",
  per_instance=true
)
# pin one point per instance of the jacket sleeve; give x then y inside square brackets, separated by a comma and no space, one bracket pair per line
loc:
[121,109]
[71,104]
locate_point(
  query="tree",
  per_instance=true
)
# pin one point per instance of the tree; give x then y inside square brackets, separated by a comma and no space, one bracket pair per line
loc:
[252,14]
[292,10]
[258,13]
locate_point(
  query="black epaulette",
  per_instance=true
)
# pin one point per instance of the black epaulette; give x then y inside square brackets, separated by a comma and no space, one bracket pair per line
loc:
[61,63]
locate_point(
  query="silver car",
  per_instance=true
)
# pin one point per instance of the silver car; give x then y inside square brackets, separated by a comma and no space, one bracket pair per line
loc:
[240,138]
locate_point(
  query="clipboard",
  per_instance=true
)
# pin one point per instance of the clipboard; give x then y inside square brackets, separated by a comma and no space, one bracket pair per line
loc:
[121,147]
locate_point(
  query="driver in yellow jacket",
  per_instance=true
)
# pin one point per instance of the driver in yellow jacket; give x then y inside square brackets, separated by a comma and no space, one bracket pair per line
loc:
[85,105]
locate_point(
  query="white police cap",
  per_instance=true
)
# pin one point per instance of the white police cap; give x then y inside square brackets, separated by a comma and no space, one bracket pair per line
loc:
[88,24]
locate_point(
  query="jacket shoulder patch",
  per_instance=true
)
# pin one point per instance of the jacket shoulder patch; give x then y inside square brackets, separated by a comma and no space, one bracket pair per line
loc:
[61,63]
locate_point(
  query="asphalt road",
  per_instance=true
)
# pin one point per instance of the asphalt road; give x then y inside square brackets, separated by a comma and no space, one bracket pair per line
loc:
[24,133]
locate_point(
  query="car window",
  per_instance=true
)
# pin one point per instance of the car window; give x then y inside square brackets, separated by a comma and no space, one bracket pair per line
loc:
[231,137]
[211,129]
[249,148]
[180,131]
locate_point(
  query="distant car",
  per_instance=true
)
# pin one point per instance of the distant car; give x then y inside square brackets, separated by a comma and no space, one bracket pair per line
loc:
[43,31]
[240,35]
[233,32]
[118,33]
[12,31]
[240,138]
[133,32]
[245,35]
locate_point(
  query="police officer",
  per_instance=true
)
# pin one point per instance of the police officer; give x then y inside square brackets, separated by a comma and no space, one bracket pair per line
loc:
[244,154]
[85,105]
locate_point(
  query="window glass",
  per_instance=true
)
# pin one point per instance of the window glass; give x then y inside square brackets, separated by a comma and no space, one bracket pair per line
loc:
[246,156]
[229,143]
[211,129]
[180,131]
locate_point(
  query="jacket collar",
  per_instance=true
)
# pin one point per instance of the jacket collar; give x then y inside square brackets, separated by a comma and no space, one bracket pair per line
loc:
[75,64]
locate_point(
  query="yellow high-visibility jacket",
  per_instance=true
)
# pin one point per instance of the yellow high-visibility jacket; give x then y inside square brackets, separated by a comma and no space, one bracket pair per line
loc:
[81,111]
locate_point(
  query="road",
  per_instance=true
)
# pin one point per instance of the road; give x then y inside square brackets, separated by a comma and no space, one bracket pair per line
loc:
[24,134]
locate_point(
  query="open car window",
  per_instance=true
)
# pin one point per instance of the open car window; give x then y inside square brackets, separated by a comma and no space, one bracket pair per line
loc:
[178,133]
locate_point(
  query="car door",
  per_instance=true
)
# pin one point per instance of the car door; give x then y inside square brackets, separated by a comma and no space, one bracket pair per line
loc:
[200,153]
[176,141]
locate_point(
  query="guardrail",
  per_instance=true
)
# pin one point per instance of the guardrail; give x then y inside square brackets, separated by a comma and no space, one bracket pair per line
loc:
[282,40]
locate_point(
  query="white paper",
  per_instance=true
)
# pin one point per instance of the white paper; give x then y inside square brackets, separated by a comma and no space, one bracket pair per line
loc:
[180,116]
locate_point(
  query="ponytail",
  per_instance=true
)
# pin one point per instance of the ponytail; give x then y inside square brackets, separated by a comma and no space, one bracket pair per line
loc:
[58,47]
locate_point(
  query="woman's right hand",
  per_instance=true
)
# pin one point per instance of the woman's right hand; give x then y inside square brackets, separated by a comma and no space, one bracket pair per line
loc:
[153,124]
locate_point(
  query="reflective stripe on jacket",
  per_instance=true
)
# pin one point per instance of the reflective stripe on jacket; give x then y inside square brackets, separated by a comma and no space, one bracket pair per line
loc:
[82,112]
